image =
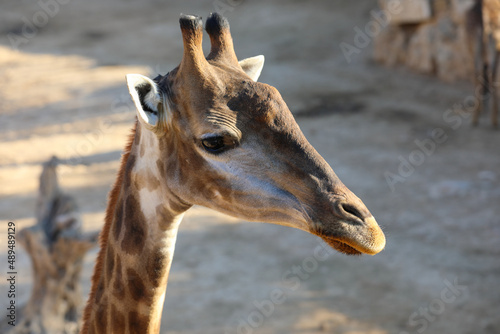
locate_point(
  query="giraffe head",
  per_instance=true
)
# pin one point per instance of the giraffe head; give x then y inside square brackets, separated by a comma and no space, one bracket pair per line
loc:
[230,143]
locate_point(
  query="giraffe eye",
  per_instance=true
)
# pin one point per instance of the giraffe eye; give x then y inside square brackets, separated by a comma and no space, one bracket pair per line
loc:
[216,143]
[213,144]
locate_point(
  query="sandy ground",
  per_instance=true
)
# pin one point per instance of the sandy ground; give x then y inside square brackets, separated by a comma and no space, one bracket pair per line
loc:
[63,93]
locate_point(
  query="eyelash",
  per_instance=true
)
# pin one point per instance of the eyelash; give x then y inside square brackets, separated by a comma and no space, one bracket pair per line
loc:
[213,144]
[216,144]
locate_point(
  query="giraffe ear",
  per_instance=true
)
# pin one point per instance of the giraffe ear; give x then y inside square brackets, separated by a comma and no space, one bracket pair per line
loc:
[253,66]
[146,96]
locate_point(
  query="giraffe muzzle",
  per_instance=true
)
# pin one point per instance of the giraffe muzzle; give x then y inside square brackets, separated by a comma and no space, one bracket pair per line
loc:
[350,228]
[356,238]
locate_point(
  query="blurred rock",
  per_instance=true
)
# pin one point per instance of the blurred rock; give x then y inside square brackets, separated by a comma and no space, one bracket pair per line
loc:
[432,44]
[420,56]
[389,46]
[458,9]
[409,11]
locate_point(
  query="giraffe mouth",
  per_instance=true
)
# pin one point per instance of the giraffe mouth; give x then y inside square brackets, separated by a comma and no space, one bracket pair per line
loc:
[367,239]
[340,245]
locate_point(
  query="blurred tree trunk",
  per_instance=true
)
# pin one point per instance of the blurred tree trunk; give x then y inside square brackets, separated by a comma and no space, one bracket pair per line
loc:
[56,246]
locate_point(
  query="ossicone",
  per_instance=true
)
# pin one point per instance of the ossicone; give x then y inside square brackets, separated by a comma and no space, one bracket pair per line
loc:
[193,59]
[221,41]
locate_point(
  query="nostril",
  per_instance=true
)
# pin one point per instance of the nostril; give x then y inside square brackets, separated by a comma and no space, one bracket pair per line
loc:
[351,209]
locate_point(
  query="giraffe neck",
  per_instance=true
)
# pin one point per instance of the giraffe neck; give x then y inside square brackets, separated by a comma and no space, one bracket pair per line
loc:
[137,246]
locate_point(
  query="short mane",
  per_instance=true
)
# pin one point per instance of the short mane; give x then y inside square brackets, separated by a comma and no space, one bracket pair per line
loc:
[108,220]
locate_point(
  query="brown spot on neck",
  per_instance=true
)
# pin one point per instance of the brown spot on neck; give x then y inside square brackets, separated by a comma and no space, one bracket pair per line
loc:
[156,268]
[136,287]
[146,179]
[110,264]
[118,320]
[102,315]
[137,323]
[129,166]
[118,284]
[118,220]
[134,224]
[142,150]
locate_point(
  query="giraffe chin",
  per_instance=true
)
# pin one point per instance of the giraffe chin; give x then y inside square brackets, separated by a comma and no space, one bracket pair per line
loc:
[341,246]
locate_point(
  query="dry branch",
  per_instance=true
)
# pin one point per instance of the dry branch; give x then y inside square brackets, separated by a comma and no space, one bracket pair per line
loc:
[56,247]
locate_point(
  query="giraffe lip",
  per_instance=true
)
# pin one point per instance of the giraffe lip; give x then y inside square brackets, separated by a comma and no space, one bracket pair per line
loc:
[341,246]
[355,240]
[351,246]
[356,245]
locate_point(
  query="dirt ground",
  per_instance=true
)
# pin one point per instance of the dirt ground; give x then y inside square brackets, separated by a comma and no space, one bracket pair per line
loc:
[393,137]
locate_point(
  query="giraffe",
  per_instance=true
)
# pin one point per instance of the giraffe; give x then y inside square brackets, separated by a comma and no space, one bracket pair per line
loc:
[483,26]
[207,133]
